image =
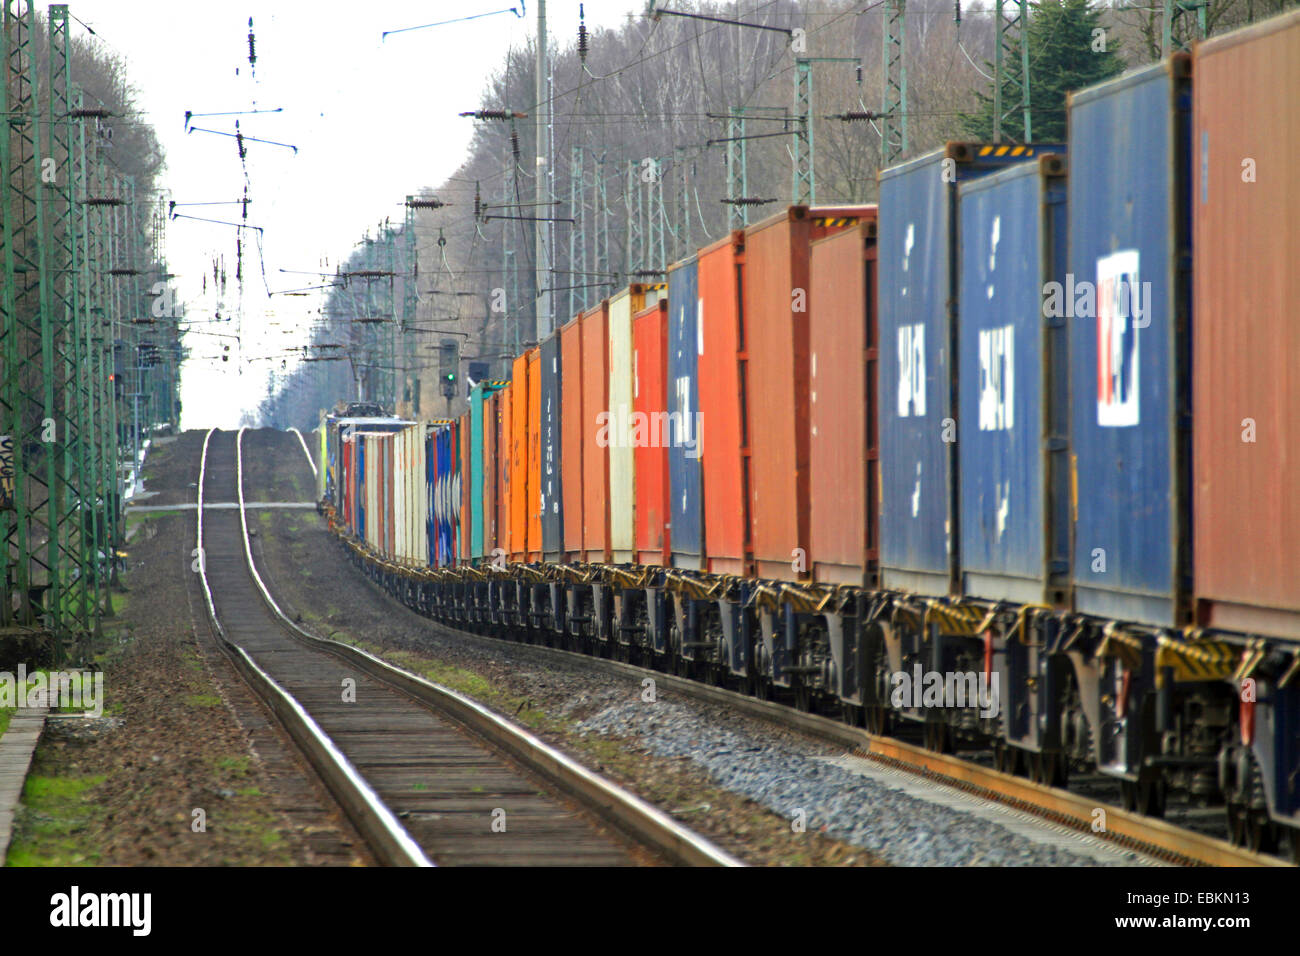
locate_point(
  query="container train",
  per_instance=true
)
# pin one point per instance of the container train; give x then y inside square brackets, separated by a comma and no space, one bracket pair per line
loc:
[1030,418]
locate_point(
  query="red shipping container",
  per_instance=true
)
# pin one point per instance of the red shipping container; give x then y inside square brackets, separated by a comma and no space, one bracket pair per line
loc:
[571,438]
[465,503]
[722,388]
[595,431]
[533,430]
[650,400]
[843,454]
[776,303]
[1245,333]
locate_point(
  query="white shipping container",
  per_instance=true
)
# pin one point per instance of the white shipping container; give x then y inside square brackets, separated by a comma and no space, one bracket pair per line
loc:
[622,481]
[397,481]
[372,486]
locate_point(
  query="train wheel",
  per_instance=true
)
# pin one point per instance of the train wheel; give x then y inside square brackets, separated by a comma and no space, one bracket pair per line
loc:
[855,715]
[1001,756]
[1236,816]
[681,666]
[1129,795]
[802,695]
[876,719]
[1058,770]
[1152,797]
[1261,834]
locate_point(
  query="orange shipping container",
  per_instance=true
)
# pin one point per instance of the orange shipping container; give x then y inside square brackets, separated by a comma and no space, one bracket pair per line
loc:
[533,428]
[571,437]
[595,434]
[776,303]
[649,401]
[843,454]
[722,393]
[1246,336]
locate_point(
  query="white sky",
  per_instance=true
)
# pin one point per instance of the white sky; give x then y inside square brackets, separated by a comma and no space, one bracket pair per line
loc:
[373,121]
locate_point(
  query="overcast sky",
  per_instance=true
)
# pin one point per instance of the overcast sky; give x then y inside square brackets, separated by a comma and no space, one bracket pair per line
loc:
[373,121]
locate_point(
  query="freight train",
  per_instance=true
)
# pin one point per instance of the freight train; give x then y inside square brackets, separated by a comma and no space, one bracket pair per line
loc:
[1031,419]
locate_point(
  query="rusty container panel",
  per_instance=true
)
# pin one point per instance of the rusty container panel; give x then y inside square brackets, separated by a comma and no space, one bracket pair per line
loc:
[777,300]
[649,403]
[1246,354]
[844,456]
[723,388]
[622,474]
[571,438]
[533,453]
[595,433]
[505,470]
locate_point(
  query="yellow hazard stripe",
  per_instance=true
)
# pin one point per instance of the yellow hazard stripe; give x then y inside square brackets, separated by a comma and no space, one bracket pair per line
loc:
[1006,151]
[955,619]
[1200,661]
[1128,648]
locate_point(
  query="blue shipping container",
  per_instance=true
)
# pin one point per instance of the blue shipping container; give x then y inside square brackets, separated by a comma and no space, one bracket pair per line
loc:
[918,381]
[1014,386]
[1129,303]
[444,495]
[552,501]
[360,487]
[686,516]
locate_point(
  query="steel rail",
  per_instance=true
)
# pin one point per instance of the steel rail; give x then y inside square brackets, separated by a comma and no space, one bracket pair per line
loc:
[385,836]
[302,441]
[645,823]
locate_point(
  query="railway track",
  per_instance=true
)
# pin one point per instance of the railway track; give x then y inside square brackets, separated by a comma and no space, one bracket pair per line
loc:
[427,776]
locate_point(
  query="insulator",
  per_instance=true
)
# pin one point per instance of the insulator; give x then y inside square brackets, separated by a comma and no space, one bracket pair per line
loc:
[582,34]
[514,143]
[957,12]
